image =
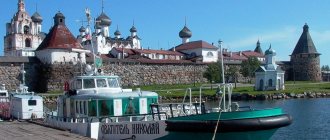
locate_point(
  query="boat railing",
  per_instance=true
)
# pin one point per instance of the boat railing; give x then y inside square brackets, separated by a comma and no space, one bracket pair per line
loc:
[106,119]
[177,109]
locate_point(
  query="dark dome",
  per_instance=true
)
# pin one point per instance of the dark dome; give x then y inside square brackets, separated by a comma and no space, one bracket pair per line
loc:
[104,20]
[36,17]
[59,15]
[82,29]
[185,33]
[270,51]
[133,29]
[117,32]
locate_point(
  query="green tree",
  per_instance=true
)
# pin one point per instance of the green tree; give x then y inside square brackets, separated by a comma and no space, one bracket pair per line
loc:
[325,68]
[233,72]
[213,73]
[248,67]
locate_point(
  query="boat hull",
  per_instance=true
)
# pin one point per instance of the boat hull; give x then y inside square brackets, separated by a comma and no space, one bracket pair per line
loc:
[251,124]
[235,125]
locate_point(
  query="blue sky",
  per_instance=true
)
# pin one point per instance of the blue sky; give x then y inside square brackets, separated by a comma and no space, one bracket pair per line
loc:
[238,23]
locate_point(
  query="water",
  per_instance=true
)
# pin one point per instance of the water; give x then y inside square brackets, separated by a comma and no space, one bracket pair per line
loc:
[311,117]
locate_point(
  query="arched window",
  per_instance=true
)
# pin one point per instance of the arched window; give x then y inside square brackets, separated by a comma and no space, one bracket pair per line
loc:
[27,42]
[209,54]
[26,29]
[270,82]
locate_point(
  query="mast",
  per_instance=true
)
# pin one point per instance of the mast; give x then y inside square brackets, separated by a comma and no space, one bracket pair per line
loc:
[88,15]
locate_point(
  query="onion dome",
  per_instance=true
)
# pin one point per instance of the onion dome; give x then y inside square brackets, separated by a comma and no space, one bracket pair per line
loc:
[104,20]
[59,15]
[82,29]
[36,17]
[133,29]
[185,33]
[117,32]
[59,19]
[270,51]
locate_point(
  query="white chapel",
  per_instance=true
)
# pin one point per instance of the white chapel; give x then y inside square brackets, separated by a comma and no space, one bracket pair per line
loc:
[269,76]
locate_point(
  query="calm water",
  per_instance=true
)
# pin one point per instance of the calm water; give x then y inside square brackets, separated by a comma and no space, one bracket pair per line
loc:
[311,117]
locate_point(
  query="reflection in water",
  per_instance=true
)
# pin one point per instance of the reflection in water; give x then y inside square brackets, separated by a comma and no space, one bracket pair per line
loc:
[311,117]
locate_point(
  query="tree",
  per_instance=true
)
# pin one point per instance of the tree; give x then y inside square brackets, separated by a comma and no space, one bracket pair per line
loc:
[232,72]
[212,73]
[325,68]
[248,67]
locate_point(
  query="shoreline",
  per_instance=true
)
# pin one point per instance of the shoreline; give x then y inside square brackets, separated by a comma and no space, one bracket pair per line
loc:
[234,97]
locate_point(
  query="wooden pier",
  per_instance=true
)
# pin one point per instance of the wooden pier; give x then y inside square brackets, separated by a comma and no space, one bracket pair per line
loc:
[24,130]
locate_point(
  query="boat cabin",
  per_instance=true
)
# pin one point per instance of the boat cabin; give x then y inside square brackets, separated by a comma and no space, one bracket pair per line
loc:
[26,106]
[100,96]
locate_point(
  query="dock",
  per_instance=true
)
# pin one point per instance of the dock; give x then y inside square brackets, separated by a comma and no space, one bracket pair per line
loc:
[19,130]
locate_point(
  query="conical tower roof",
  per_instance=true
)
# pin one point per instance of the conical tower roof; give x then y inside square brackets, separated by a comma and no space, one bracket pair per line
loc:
[258,48]
[305,43]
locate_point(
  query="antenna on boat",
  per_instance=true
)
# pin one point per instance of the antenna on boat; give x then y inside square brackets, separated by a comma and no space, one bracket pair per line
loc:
[88,32]
[222,69]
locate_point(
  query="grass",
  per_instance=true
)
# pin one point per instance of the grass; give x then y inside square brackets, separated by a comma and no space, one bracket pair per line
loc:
[179,90]
[290,87]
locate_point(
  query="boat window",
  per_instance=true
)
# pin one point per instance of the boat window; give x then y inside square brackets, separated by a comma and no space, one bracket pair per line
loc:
[3,94]
[113,82]
[85,108]
[89,83]
[76,106]
[78,84]
[101,83]
[81,107]
[32,102]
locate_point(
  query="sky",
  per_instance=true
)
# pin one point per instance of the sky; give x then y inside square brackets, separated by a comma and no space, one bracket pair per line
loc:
[238,23]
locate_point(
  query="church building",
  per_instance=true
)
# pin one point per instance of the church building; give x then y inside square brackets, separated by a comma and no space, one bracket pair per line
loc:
[60,46]
[102,42]
[23,33]
[269,76]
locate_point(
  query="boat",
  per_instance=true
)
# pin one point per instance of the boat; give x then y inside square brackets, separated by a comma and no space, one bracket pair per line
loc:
[229,121]
[96,106]
[25,105]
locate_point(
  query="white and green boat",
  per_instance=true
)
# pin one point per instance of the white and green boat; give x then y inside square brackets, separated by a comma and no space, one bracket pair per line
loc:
[95,105]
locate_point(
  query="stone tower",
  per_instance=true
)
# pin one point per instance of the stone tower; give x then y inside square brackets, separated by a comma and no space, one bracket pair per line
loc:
[305,60]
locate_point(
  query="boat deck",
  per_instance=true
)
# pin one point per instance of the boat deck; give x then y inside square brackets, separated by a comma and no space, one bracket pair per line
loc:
[29,131]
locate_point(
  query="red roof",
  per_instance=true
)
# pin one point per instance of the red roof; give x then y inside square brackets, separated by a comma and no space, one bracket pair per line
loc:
[234,56]
[126,50]
[158,52]
[252,54]
[194,45]
[163,61]
[59,37]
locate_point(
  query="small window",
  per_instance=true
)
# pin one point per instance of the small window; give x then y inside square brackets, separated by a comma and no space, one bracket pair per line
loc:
[81,107]
[78,84]
[89,83]
[113,82]
[101,83]
[270,82]
[77,107]
[32,102]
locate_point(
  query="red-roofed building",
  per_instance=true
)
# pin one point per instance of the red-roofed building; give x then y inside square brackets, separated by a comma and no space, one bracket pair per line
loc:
[202,49]
[60,45]
[152,54]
